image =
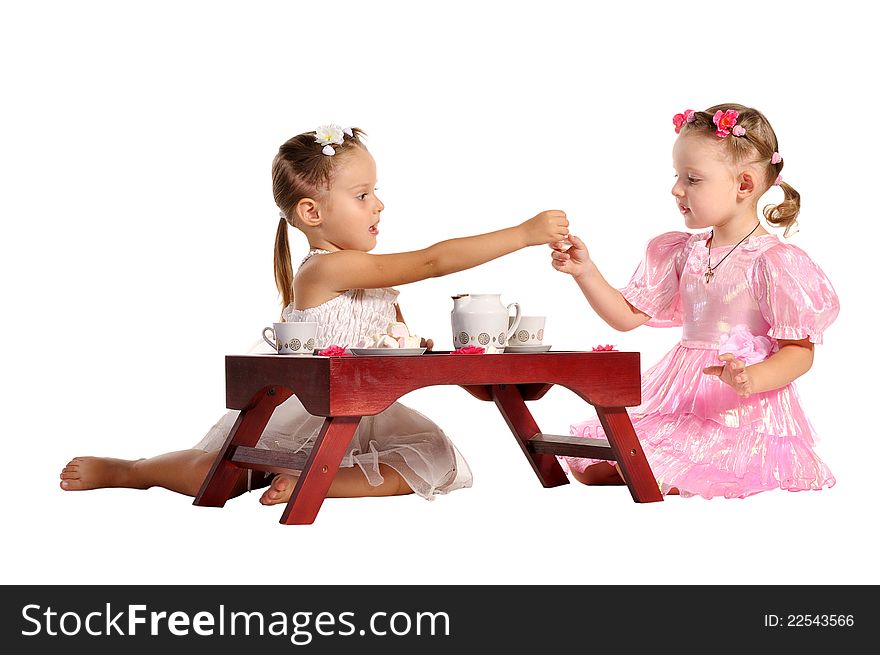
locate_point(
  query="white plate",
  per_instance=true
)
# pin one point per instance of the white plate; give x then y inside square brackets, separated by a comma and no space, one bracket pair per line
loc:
[527,349]
[388,352]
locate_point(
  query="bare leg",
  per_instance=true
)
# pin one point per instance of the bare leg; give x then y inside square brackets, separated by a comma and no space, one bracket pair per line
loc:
[599,474]
[349,482]
[605,474]
[182,471]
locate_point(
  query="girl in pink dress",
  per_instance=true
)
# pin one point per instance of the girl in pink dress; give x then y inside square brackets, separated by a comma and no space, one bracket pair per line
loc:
[719,415]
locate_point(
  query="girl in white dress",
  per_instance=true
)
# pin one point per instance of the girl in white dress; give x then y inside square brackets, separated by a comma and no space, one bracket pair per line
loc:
[324,184]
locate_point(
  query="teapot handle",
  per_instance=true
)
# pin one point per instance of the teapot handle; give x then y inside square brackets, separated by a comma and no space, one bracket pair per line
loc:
[512,329]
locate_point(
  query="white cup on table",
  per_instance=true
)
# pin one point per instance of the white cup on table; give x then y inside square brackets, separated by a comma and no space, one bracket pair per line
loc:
[529,332]
[296,338]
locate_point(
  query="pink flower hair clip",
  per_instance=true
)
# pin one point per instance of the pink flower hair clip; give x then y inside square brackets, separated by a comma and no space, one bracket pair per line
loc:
[725,124]
[776,158]
[778,180]
[687,116]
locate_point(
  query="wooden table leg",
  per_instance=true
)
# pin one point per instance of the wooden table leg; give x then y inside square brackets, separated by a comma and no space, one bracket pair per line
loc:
[521,422]
[320,468]
[629,454]
[221,479]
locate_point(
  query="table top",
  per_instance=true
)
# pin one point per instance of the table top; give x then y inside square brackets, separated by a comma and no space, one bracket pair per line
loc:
[348,386]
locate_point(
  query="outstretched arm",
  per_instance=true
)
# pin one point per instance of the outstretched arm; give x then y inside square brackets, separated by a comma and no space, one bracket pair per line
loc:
[605,300]
[793,359]
[351,269]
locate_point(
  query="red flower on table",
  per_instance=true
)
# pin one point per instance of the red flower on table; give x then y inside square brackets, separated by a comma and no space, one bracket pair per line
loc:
[605,348]
[334,351]
[469,350]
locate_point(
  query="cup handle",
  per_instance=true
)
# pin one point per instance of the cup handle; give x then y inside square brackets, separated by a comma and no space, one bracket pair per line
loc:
[266,339]
[512,329]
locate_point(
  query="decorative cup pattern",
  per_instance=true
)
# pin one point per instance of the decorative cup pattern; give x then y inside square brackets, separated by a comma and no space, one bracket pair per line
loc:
[530,332]
[295,338]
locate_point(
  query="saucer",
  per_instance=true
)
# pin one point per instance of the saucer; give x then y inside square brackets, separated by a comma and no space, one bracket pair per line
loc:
[386,352]
[527,349]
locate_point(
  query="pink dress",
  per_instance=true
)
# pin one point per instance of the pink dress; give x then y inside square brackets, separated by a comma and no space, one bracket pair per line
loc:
[697,433]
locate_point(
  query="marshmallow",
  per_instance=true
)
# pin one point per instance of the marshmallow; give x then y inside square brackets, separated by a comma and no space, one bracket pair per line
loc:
[397,330]
[384,341]
[397,335]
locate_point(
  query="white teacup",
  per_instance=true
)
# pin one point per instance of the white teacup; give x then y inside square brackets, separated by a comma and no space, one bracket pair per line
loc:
[296,338]
[529,332]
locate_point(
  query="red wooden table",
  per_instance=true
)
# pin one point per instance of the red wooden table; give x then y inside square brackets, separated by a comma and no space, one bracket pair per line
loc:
[343,389]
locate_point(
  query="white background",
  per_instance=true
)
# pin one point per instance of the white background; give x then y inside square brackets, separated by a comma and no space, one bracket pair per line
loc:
[137,234]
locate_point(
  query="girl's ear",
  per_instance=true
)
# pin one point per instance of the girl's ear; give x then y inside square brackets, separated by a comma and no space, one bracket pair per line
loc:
[307,212]
[746,184]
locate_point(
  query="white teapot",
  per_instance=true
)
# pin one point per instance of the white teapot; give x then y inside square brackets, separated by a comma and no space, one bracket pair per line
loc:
[480,319]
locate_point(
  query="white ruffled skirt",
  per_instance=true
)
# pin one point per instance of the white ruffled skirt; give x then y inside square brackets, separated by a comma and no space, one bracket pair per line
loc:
[399,437]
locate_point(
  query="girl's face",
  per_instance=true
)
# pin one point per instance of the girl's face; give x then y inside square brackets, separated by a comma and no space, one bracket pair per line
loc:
[349,211]
[706,186]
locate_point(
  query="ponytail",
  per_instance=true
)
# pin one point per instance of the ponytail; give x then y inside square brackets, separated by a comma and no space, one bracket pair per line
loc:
[283,267]
[785,213]
[300,170]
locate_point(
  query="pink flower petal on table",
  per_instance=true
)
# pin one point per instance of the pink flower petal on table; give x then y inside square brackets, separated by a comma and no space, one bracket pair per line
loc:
[469,350]
[334,351]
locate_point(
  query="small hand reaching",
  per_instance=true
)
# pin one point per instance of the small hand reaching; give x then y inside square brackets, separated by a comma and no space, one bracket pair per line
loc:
[734,373]
[546,227]
[570,257]
[427,343]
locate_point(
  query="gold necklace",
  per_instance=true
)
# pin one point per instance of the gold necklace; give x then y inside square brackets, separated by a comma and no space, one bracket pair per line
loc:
[710,270]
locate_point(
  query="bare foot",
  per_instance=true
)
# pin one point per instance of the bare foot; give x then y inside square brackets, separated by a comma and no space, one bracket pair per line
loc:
[279,490]
[82,473]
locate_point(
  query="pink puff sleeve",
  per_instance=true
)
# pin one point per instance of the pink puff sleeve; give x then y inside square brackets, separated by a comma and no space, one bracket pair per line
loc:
[654,287]
[793,293]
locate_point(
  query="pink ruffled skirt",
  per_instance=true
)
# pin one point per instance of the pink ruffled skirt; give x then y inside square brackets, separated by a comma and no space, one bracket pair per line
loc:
[702,438]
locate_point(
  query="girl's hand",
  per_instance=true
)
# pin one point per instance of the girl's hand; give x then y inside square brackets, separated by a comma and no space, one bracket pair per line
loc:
[427,343]
[734,373]
[546,227]
[571,257]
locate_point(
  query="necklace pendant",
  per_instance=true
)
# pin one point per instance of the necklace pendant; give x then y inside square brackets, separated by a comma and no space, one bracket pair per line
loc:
[709,274]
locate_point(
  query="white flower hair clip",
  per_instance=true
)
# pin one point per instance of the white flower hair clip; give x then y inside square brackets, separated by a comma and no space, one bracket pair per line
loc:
[327,135]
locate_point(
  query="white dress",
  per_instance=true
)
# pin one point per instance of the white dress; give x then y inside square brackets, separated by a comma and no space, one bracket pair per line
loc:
[399,436]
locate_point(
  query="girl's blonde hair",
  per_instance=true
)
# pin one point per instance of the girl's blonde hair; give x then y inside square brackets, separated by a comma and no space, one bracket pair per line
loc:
[757,145]
[301,170]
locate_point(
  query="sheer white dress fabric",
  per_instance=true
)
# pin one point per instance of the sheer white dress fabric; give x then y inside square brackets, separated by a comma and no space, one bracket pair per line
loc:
[399,437]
